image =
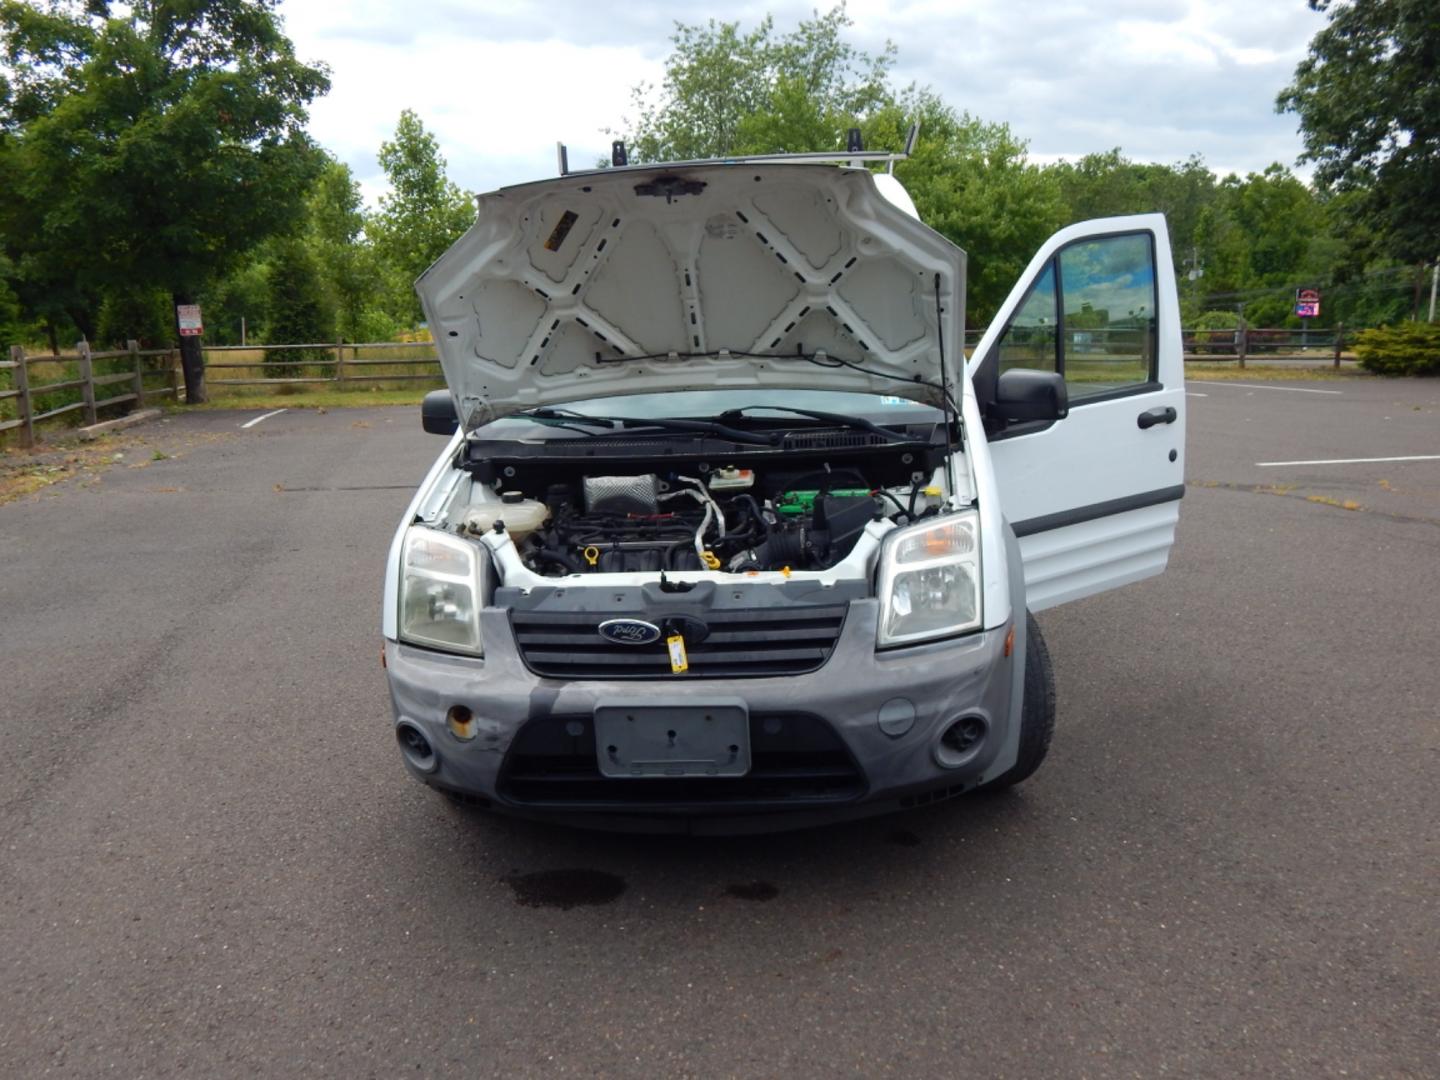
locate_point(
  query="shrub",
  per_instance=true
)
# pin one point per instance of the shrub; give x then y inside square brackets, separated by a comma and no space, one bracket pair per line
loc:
[1412,348]
[1217,320]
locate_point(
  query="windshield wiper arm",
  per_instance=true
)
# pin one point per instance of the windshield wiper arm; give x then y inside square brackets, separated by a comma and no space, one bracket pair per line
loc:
[840,419]
[699,427]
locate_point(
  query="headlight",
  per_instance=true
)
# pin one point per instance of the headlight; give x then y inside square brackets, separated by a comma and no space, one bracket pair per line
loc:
[930,580]
[440,592]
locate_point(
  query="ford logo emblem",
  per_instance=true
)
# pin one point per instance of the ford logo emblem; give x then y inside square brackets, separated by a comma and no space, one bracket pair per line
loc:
[629,631]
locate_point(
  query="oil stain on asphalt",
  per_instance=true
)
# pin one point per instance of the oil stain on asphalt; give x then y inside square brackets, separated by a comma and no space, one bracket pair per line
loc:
[565,889]
[752,890]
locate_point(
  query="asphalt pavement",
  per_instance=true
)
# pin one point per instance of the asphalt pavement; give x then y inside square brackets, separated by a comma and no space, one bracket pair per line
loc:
[213,864]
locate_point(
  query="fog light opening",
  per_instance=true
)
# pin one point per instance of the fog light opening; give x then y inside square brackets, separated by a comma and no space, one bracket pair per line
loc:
[962,740]
[462,723]
[416,747]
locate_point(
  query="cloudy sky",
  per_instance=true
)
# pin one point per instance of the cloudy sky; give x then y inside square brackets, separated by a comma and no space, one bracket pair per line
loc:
[499,81]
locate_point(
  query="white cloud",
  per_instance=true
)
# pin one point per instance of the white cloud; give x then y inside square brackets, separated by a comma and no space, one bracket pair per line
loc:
[499,81]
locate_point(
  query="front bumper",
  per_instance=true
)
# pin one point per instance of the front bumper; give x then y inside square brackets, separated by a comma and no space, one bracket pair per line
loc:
[938,682]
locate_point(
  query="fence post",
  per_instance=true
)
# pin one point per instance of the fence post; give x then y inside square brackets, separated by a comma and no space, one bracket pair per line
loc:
[87,374]
[339,375]
[133,347]
[1242,336]
[23,407]
[1339,341]
[175,376]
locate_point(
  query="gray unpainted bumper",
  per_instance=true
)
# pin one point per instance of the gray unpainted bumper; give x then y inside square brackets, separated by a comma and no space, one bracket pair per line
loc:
[943,681]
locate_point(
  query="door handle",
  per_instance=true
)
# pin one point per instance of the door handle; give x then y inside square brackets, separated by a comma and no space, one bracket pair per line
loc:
[1167,415]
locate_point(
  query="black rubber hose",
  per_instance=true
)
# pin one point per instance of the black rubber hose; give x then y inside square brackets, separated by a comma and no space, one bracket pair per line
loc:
[910,513]
[559,557]
[673,549]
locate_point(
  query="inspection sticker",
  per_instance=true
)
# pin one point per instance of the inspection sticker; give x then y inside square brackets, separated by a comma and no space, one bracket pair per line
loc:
[679,662]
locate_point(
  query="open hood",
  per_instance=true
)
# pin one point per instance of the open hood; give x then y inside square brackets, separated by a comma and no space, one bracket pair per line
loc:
[693,277]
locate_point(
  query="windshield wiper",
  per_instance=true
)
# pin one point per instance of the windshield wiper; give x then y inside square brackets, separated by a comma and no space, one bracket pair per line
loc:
[858,423]
[568,418]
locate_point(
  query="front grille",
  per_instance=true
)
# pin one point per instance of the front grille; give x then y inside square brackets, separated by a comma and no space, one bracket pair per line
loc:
[750,641]
[795,759]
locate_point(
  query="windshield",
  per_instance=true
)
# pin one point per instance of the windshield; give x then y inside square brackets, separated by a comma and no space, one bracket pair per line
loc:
[705,404]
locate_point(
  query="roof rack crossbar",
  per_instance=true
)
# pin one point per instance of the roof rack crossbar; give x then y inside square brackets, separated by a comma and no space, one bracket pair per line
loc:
[842,156]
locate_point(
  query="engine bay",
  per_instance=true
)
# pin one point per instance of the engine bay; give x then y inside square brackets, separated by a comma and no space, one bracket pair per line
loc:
[732,517]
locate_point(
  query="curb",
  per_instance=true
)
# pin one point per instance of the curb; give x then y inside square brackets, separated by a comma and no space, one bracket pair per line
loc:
[94,431]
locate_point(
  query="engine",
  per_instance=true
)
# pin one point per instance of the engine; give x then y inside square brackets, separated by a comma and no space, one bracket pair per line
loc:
[728,519]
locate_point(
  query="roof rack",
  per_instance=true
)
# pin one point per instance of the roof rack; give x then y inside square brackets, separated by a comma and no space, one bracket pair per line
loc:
[853,156]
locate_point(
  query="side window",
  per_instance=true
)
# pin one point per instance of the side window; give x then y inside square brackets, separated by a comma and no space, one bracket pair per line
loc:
[1030,341]
[1107,286]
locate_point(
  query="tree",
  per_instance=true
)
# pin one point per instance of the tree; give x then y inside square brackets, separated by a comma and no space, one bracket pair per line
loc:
[421,215]
[10,327]
[346,260]
[1109,184]
[142,314]
[972,182]
[298,313]
[152,144]
[1368,99]
[728,92]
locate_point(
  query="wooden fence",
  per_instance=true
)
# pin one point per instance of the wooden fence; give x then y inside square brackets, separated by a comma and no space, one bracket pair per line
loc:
[1239,345]
[331,356]
[344,362]
[25,389]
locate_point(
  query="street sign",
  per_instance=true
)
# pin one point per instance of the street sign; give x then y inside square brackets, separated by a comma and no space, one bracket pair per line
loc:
[1307,303]
[187,317]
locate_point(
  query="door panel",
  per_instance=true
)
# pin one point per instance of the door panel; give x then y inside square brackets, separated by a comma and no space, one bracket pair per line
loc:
[1093,497]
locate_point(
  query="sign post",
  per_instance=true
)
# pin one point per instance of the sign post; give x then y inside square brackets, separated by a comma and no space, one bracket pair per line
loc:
[1307,306]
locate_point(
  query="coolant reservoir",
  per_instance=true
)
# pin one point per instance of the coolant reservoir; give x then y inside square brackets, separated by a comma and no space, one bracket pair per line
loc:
[521,516]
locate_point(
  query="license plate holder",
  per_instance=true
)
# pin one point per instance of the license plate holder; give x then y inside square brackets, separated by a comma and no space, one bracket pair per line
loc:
[669,740]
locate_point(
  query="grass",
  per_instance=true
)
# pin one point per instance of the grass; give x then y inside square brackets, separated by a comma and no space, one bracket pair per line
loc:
[1199,371]
[24,472]
[308,397]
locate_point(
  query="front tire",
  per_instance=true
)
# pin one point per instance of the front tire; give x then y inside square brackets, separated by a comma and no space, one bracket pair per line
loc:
[1037,710]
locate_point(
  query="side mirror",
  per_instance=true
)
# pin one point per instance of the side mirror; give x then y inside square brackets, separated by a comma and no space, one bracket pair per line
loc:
[437,413]
[1022,394]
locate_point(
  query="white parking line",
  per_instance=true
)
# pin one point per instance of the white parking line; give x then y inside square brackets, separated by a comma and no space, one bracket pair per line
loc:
[1257,386]
[1349,460]
[1191,393]
[252,423]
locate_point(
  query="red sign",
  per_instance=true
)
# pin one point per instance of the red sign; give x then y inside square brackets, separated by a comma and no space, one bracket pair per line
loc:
[1307,303]
[187,318]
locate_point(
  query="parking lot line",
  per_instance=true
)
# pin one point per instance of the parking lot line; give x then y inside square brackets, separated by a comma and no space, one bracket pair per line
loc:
[266,416]
[1258,386]
[1349,461]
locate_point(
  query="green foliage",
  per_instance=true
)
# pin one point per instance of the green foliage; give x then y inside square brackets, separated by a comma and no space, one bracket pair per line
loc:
[727,92]
[142,314]
[1109,185]
[244,293]
[1216,320]
[298,313]
[1368,100]
[148,146]
[1411,348]
[10,323]
[349,267]
[422,214]
[972,182]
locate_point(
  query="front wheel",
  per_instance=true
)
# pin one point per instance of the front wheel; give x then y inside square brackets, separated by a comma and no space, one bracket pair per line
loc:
[1037,710]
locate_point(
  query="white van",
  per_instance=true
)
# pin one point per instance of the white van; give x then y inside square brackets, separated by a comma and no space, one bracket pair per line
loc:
[728,533]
